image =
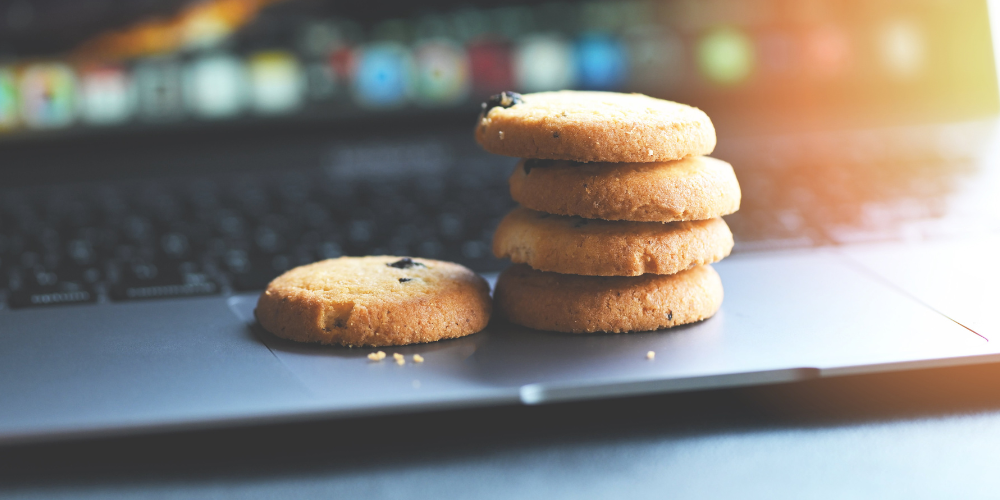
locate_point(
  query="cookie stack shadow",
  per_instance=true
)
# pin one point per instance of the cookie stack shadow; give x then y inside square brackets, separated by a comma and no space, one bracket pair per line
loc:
[620,211]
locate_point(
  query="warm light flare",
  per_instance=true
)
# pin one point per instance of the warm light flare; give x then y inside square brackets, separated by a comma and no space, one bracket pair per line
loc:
[198,25]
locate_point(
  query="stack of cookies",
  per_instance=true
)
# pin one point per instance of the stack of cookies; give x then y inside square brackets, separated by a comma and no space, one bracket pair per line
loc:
[620,211]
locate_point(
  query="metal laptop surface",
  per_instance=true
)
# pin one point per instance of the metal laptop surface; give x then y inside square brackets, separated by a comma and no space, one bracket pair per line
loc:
[814,290]
[197,363]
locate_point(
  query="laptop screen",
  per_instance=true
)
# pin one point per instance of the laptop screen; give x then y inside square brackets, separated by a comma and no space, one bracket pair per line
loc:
[103,68]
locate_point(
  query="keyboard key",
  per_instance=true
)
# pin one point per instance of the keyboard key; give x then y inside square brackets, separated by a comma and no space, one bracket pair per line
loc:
[41,287]
[175,245]
[145,280]
[66,293]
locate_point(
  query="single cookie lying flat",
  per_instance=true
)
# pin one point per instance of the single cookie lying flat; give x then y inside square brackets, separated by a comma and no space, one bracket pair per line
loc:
[572,245]
[690,189]
[594,126]
[375,301]
[584,304]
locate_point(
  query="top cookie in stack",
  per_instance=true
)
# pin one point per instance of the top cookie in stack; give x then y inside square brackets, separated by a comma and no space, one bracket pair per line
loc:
[621,212]
[593,126]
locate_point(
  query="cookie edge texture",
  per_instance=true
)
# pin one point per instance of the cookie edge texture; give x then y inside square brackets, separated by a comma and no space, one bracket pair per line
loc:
[589,304]
[627,197]
[619,249]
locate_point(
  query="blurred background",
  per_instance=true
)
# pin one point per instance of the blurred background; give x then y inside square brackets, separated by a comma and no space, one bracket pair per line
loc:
[159,148]
[100,66]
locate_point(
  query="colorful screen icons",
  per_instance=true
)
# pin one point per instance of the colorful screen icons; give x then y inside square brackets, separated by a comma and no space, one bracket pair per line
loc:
[725,56]
[215,86]
[277,82]
[383,76]
[602,62]
[8,99]
[237,62]
[828,51]
[544,62]
[490,63]
[47,96]
[902,47]
[158,89]
[106,97]
[442,73]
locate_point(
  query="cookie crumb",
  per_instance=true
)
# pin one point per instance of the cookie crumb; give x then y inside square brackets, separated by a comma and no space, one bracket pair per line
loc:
[650,355]
[418,358]
[381,355]
[373,356]
[400,359]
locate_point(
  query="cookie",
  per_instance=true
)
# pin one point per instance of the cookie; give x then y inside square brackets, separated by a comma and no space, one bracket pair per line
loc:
[585,304]
[592,247]
[690,189]
[593,126]
[375,301]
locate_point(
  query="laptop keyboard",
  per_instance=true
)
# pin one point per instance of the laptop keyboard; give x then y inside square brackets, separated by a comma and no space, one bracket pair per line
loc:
[158,239]
[204,235]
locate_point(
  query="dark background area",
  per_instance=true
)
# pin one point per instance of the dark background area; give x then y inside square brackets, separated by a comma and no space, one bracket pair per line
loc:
[894,435]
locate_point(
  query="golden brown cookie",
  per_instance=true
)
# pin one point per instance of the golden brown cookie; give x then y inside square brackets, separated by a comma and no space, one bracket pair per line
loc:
[690,189]
[584,304]
[375,301]
[594,126]
[593,247]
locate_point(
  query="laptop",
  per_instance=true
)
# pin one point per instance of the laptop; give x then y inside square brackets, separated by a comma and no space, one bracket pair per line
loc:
[162,161]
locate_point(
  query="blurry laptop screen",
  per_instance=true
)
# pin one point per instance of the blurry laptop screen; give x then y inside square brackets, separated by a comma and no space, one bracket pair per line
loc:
[97,67]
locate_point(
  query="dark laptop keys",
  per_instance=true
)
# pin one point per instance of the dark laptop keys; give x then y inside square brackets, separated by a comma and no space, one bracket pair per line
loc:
[38,286]
[35,263]
[137,240]
[160,265]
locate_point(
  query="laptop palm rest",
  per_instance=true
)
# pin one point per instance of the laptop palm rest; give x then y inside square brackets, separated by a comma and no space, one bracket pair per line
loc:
[785,317]
[116,368]
[129,367]
[960,278]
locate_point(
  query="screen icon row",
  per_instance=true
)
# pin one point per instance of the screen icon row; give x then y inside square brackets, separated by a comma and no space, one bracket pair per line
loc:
[213,84]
